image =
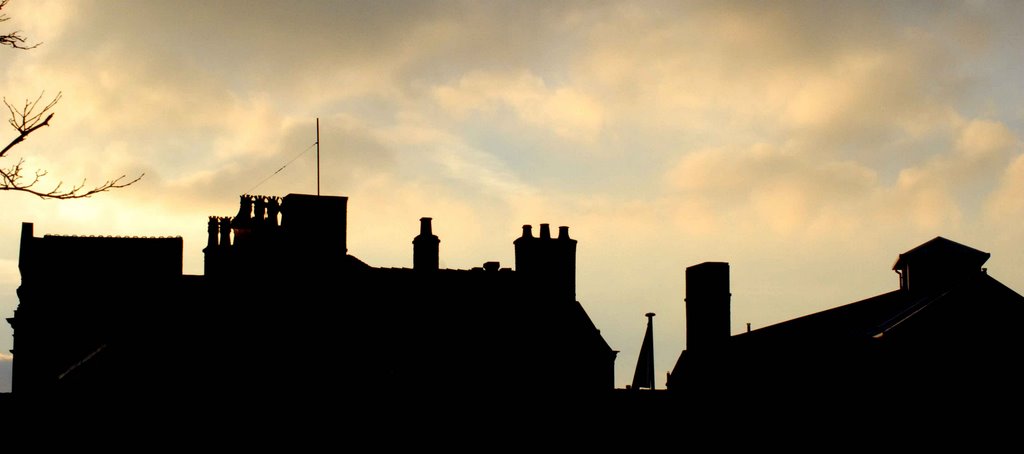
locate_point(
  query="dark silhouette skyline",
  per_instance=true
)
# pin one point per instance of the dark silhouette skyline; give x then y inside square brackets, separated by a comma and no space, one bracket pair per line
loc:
[821,139]
[98,333]
[281,265]
[941,347]
[280,284]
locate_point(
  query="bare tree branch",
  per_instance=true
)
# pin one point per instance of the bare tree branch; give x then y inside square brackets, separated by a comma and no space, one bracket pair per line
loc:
[13,39]
[26,120]
[76,192]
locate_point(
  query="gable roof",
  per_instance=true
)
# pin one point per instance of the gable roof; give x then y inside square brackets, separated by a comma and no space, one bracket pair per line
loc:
[940,249]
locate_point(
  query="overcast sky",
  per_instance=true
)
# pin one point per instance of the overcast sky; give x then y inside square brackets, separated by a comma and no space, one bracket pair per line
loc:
[805,143]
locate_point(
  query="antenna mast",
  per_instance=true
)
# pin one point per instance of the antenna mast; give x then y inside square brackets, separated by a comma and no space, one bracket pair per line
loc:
[318,156]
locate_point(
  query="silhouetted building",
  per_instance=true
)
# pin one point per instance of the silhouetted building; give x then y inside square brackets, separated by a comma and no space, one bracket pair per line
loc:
[84,300]
[283,314]
[946,339]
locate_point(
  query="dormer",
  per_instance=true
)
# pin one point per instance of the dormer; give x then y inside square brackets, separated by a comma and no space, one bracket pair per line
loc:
[937,265]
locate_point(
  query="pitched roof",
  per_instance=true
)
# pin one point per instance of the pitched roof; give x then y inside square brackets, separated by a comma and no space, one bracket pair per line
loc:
[877,316]
[978,305]
[860,319]
[940,249]
[881,313]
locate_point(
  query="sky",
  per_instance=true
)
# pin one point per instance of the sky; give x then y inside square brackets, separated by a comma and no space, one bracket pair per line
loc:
[805,143]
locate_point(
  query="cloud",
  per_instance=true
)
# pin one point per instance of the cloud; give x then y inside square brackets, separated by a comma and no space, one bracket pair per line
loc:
[981,139]
[564,111]
[962,178]
[1006,204]
[791,189]
[790,192]
[846,80]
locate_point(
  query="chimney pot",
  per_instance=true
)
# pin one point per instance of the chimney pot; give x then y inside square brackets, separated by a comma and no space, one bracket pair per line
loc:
[425,226]
[527,231]
[545,232]
[563,233]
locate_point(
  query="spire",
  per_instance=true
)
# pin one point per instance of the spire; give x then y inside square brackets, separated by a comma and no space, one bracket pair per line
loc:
[643,377]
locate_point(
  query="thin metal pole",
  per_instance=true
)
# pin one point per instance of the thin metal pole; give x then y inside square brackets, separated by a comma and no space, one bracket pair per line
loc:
[318,156]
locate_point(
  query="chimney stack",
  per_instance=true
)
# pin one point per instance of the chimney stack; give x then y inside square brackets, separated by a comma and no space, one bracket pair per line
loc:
[707,306]
[549,263]
[273,209]
[242,222]
[225,231]
[315,224]
[212,229]
[260,209]
[425,248]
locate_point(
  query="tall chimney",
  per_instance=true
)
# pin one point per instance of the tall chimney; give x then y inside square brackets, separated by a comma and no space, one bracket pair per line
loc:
[525,246]
[211,231]
[425,248]
[212,255]
[565,262]
[260,209]
[244,209]
[225,231]
[273,209]
[242,222]
[707,306]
